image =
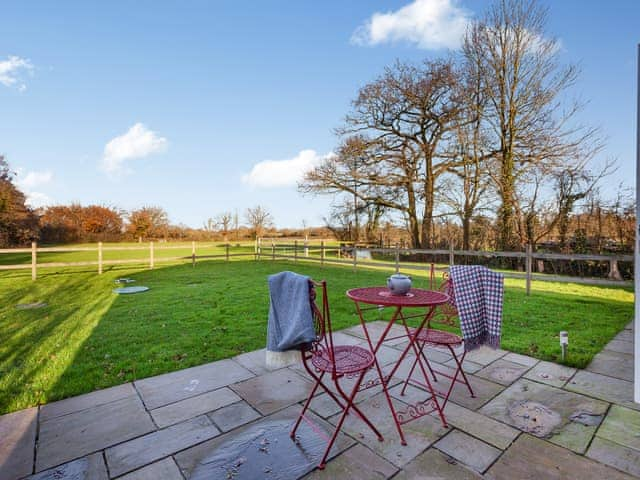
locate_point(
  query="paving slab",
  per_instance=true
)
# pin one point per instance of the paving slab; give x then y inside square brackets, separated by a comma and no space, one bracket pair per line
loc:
[468,450]
[357,463]
[565,418]
[622,426]
[487,429]
[435,465]
[613,364]
[550,374]
[88,400]
[77,434]
[615,455]
[533,458]
[484,390]
[18,434]
[145,450]
[91,467]
[619,346]
[165,469]
[525,360]
[419,433]
[254,361]
[273,391]
[503,371]
[603,387]
[467,366]
[193,406]
[485,355]
[233,416]
[375,330]
[625,336]
[191,459]
[175,386]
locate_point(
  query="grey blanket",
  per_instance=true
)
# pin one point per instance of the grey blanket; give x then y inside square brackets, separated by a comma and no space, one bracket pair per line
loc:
[290,317]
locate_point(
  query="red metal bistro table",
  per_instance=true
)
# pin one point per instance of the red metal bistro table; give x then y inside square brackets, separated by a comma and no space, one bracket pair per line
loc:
[415,298]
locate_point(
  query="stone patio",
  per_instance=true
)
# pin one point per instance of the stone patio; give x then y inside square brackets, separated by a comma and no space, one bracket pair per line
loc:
[530,419]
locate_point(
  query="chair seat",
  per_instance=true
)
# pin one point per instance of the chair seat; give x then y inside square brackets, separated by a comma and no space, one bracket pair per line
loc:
[439,337]
[348,358]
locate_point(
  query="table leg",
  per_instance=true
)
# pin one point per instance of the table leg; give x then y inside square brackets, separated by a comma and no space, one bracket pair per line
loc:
[383,380]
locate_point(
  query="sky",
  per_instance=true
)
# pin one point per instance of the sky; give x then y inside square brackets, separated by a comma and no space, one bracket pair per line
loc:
[204,107]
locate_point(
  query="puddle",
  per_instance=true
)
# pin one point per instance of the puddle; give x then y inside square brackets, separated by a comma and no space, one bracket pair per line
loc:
[587,419]
[129,290]
[264,451]
[534,418]
[31,306]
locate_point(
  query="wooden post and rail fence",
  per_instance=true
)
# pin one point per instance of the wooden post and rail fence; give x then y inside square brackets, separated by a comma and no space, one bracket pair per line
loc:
[324,253]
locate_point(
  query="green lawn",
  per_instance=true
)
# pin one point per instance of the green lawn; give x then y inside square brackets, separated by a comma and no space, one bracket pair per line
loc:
[89,338]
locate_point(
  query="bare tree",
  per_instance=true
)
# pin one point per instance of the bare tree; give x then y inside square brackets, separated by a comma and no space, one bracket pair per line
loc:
[258,219]
[389,156]
[523,82]
[223,223]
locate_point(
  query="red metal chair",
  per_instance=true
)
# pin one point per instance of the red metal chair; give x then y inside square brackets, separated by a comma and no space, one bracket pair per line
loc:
[442,339]
[322,357]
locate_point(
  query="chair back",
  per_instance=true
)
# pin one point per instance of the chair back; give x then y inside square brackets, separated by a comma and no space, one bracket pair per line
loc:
[447,312]
[323,344]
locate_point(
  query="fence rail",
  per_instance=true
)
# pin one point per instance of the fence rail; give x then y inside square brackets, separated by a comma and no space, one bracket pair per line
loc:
[323,253]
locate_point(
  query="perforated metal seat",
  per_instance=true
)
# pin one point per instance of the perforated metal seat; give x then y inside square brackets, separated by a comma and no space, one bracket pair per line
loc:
[438,337]
[348,359]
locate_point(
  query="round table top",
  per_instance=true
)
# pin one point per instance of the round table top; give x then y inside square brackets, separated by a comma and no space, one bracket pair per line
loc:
[416,297]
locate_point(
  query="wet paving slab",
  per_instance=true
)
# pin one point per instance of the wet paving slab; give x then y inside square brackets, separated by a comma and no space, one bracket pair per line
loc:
[262,449]
[564,418]
[603,387]
[550,374]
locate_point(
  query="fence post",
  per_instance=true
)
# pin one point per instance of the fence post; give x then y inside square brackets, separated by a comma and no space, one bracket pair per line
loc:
[322,253]
[614,272]
[259,247]
[273,251]
[295,250]
[227,251]
[528,262]
[397,257]
[193,253]
[151,259]
[306,247]
[451,254]
[354,252]
[99,258]
[34,260]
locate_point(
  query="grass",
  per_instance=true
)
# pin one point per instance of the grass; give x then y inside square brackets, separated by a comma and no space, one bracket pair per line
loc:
[89,338]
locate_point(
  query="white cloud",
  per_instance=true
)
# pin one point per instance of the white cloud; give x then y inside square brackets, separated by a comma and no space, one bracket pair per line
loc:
[26,182]
[38,199]
[428,24]
[283,173]
[138,142]
[33,179]
[11,71]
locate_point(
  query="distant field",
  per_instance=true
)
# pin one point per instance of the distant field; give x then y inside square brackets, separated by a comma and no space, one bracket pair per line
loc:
[89,338]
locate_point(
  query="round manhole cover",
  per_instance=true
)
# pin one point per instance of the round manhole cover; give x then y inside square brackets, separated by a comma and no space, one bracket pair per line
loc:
[127,290]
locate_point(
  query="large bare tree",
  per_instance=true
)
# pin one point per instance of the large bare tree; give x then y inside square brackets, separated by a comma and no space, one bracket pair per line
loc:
[524,83]
[392,136]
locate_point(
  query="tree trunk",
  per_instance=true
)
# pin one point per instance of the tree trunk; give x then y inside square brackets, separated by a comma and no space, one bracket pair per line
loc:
[506,214]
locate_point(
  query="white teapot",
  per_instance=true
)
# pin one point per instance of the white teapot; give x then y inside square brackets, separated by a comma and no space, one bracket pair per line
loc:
[399,284]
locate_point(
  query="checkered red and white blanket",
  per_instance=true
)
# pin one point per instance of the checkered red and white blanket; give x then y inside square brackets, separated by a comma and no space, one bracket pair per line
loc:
[478,294]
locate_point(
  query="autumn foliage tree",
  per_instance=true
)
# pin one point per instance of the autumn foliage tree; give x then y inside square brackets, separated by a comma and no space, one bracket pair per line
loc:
[18,222]
[148,223]
[73,223]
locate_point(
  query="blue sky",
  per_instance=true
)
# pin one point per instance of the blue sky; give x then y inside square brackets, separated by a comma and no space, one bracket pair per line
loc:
[180,104]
